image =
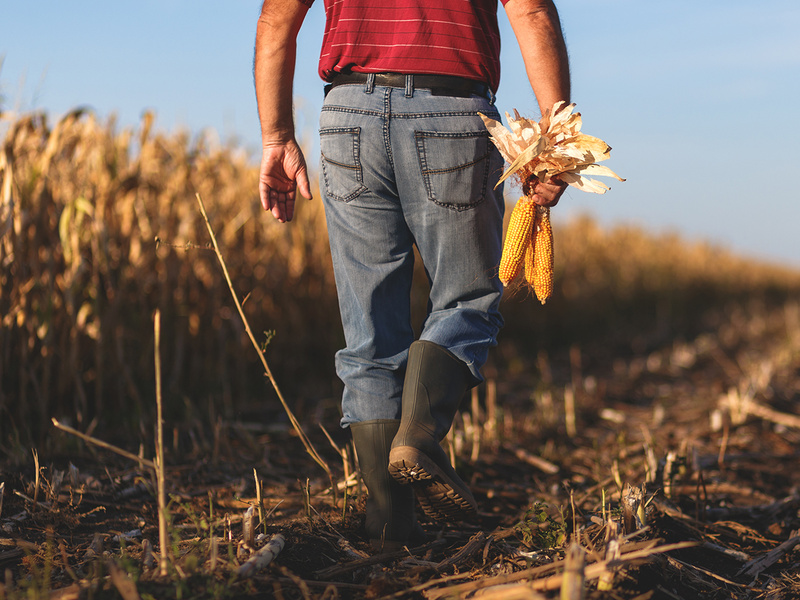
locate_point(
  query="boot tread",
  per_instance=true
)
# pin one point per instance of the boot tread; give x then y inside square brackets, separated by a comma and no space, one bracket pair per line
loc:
[441,496]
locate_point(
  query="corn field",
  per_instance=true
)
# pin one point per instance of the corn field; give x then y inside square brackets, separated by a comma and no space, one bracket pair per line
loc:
[99,227]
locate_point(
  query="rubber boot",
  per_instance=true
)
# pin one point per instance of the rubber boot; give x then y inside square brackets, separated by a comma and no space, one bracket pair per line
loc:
[434,385]
[391,522]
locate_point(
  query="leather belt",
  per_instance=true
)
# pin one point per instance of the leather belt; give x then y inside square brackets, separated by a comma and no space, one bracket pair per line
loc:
[439,85]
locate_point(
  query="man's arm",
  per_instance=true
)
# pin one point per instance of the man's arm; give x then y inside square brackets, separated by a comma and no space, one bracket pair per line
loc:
[283,167]
[538,30]
[544,51]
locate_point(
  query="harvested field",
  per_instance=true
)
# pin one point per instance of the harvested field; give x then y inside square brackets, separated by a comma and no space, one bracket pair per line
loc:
[636,438]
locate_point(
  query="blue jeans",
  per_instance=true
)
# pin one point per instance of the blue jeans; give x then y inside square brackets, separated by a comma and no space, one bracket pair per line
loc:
[402,167]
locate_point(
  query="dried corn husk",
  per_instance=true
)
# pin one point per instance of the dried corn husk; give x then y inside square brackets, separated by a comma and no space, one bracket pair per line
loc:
[553,146]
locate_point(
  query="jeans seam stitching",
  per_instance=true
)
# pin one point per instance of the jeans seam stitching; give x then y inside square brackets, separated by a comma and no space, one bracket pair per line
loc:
[356,168]
[387,114]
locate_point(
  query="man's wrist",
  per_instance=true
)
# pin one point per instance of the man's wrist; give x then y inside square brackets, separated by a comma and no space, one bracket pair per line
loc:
[276,139]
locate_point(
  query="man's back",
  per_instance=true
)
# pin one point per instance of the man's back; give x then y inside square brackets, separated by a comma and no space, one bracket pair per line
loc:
[445,37]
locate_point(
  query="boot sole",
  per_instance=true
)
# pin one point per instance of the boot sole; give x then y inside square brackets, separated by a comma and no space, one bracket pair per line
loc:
[440,496]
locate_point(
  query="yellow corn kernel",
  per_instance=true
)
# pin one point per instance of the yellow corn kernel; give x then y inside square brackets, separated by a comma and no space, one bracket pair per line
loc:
[543,255]
[518,236]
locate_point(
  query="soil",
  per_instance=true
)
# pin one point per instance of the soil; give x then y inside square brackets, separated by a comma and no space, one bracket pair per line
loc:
[674,469]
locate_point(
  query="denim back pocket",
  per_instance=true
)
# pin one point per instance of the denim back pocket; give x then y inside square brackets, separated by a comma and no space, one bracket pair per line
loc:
[455,167]
[341,162]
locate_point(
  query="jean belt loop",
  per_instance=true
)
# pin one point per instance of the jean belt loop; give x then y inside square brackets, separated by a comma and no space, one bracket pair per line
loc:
[369,86]
[492,98]
[409,86]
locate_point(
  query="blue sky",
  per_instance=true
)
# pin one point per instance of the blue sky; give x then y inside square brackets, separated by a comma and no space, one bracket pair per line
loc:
[698,99]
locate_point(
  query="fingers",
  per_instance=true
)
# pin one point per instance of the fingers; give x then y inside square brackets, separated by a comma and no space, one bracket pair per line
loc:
[548,194]
[278,200]
[282,205]
[302,182]
[263,194]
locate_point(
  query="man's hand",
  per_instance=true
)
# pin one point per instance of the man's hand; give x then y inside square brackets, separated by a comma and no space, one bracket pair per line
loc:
[547,194]
[283,169]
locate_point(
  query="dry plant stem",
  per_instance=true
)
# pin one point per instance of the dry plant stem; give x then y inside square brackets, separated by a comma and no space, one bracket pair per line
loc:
[573,586]
[512,591]
[160,478]
[295,423]
[101,444]
[684,566]
[306,489]
[36,484]
[491,410]
[263,557]
[769,414]
[475,419]
[273,509]
[214,553]
[757,565]
[62,549]
[43,505]
[342,568]
[342,453]
[124,584]
[302,584]
[248,526]
[96,547]
[535,461]
[148,561]
[346,466]
[259,499]
[605,582]
[472,547]
[735,554]
[552,582]
[569,411]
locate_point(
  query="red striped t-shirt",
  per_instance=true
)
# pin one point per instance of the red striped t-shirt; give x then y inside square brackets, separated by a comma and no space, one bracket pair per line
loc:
[438,37]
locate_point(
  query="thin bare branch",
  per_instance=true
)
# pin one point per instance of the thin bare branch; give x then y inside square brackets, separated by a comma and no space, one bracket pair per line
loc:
[295,423]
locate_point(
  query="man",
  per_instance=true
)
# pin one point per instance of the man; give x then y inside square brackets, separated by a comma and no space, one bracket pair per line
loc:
[406,161]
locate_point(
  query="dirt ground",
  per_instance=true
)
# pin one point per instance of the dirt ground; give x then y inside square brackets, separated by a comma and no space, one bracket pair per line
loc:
[673,466]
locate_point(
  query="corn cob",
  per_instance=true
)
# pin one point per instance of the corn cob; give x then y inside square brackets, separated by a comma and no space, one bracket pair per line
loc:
[518,237]
[543,255]
[530,252]
[540,151]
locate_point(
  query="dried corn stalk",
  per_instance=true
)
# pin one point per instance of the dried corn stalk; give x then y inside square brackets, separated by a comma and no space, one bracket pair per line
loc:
[538,152]
[263,557]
